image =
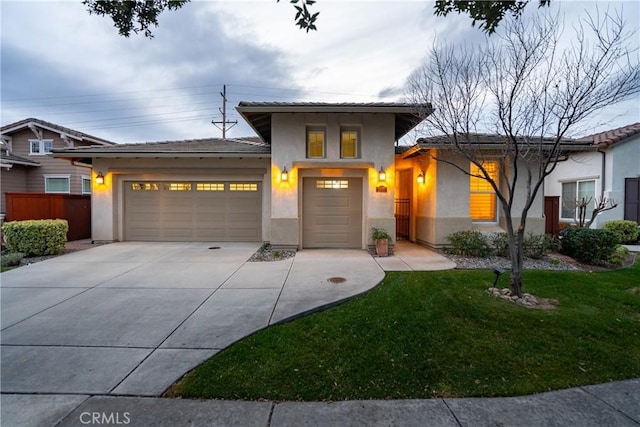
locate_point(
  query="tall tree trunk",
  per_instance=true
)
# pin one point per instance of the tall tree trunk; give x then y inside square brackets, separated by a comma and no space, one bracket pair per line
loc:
[516,250]
[517,261]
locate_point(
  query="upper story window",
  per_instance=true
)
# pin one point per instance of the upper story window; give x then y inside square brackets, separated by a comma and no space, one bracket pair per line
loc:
[316,138]
[573,193]
[349,143]
[57,184]
[40,147]
[482,197]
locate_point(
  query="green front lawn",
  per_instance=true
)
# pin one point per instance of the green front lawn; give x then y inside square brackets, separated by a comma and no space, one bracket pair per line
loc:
[439,334]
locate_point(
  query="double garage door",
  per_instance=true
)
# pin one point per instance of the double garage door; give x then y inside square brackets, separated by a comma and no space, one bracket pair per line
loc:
[193,211]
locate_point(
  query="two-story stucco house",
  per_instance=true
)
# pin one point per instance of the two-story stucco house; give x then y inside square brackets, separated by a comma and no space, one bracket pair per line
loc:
[609,169]
[319,176]
[26,166]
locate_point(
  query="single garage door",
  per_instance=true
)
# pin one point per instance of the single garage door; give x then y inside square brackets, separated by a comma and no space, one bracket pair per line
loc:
[193,211]
[332,213]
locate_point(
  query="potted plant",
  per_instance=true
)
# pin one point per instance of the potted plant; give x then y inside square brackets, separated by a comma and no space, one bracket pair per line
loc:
[381,238]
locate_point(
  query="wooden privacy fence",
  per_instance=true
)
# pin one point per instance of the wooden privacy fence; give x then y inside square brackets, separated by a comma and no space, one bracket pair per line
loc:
[75,208]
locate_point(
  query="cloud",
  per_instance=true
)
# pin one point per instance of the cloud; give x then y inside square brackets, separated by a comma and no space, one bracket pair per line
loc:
[132,89]
[136,89]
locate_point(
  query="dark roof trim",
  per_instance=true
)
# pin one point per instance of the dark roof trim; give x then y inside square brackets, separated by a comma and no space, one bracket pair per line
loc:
[258,114]
[208,147]
[491,142]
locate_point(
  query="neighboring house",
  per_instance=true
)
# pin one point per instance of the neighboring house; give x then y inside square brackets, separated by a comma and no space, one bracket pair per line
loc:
[321,176]
[27,168]
[610,169]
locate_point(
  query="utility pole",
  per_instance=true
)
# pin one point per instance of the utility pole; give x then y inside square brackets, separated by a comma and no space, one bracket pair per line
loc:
[224,121]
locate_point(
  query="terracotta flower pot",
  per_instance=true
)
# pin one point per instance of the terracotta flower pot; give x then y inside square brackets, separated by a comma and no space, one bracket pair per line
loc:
[382,247]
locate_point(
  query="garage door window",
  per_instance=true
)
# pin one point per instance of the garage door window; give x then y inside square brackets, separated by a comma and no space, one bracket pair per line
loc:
[243,187]
[144,186]
[210,186]
[332,183]
[177,186]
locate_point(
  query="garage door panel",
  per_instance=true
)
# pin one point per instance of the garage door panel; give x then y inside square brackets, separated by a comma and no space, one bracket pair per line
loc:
[146,234]
[193,211]
[332,220]
[328,203]
[210,217]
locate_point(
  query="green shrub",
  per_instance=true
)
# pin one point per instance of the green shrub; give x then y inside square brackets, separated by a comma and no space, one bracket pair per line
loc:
[627,230]
[537,246]
[469,243]
[500,243]
[11,259]
[379,234]
[619,255]
[589,246]
[36,237]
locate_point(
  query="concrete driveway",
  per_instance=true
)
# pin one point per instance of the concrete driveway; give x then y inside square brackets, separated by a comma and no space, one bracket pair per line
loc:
[131,318]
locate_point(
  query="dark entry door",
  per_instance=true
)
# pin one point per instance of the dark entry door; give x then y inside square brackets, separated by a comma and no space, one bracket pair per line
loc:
[632,199]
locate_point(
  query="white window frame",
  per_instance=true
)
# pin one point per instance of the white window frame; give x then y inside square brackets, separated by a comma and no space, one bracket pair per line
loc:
[83,179]
[575,208]
[42,147]
[67,177]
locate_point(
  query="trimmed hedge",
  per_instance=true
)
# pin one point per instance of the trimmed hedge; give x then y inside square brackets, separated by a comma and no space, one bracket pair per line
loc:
[627,230]
[589,246]
[36,237]
[469,243]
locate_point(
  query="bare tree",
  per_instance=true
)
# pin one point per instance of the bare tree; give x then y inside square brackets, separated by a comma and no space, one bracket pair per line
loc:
[582,206]
[529,91]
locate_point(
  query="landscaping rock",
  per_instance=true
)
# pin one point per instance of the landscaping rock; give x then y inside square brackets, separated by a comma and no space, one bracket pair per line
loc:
[527,300]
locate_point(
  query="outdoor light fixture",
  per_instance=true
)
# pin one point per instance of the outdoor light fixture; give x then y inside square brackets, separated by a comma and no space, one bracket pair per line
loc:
[498,272]
[284,175]
[382,176]
[99,178]
[421,178]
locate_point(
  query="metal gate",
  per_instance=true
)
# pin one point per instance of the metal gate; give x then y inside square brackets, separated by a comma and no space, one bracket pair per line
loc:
[402,208]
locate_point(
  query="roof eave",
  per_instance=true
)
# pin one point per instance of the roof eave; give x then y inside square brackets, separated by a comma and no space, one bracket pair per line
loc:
[60,131]
[166,154]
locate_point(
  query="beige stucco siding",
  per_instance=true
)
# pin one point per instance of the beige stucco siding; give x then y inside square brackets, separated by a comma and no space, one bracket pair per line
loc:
[442,201]
[289,150]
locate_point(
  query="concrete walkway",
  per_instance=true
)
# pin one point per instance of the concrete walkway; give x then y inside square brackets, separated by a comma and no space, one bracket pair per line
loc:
[102,332]
[411,257]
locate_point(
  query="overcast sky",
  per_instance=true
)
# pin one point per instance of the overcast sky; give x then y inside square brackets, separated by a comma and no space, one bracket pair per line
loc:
[60,64]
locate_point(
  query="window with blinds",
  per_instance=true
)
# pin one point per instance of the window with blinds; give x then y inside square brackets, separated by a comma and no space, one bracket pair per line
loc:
[482,198]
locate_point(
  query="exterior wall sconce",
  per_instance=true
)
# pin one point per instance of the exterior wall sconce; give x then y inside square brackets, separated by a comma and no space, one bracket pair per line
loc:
[421,178]
[99,178]
[284,175]
[382,176]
